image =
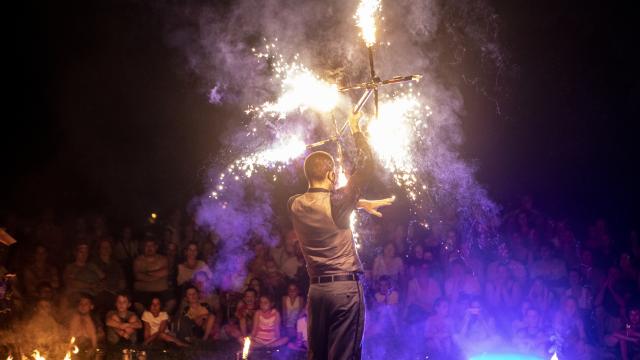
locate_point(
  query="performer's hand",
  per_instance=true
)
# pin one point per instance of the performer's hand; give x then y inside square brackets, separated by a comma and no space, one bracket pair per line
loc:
[371,206]
[354,122]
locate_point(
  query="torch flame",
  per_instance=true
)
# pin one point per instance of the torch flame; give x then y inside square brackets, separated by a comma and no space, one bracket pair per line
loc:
[366,20]
[555,356]
[245,348]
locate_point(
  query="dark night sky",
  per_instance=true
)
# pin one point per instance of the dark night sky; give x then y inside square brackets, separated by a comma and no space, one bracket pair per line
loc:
[105,115]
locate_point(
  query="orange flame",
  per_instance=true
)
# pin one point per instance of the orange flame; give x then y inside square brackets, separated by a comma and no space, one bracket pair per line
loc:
[36,355]
[73,349]
[245,348]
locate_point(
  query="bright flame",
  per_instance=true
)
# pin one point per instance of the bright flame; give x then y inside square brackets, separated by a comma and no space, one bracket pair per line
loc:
[10,357]
[555,356]
[36,355]
[73,349]
[366,20]
[282,152]
[392,136]
[301,89]
[276,157]
[342,177]
[245,348]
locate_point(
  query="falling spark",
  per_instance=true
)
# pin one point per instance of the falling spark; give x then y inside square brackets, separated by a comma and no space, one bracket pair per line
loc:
[394,134]
[366,20]
[353,220]
[245,348]
[301,89]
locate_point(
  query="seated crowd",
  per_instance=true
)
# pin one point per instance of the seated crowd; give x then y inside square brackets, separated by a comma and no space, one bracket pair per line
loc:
[537,290]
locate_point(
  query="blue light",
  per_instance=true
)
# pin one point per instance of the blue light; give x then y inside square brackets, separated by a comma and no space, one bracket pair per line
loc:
[504,357]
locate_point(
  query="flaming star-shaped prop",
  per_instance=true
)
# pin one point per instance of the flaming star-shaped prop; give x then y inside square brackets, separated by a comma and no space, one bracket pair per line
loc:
[395,130]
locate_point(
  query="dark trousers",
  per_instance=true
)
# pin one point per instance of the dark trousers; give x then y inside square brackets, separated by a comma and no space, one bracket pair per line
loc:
[336,320]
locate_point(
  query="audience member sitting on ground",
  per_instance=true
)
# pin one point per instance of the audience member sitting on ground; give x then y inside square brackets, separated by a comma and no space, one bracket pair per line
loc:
[196,320]
[292,306]
[156,325]
[242,324]
[266,326]
[122,324]
[87,330]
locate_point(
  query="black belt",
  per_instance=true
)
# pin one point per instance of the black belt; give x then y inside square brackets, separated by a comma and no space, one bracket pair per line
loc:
[332,278]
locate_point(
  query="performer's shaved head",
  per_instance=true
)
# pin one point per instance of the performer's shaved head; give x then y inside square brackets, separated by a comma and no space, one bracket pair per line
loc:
[317,165]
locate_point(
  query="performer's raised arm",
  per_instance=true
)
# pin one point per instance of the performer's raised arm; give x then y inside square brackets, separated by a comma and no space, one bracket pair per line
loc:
[363,161]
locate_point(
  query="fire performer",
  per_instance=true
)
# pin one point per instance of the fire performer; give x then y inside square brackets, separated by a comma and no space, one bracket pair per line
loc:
[320,217]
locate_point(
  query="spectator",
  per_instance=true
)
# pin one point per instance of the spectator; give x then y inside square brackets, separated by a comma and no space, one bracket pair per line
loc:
[302,340]
[541,297]
[531,338]
[292,306]
[423,291]
[156,325]
[82,276]
[386,307]
[197,321]
[40,270]
[273,279]
[87,329]
[388,263]
[151,271]
[126,249]
[548,267]
[580,291]
[569,327]
[459,282]
[242,325]
[613,294]
[628,337]
[439,332]
[191,265]
[122,324]
[266,326]
[114,281]
[478,330]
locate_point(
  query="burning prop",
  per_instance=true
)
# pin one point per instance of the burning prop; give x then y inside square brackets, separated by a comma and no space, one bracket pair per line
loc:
[398,122]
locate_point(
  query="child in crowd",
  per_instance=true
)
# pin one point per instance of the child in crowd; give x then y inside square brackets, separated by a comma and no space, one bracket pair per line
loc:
[292,305]
[302,339]
[439,331]
[156,324]
[242,325]
[122,324]
[197,320]
[266,326]
[386,306]
[84,327]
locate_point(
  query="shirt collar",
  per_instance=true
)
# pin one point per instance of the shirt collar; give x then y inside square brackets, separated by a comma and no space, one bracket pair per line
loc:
[314,190]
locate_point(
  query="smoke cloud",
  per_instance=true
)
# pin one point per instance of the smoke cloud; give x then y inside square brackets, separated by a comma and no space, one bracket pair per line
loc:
[437,39]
